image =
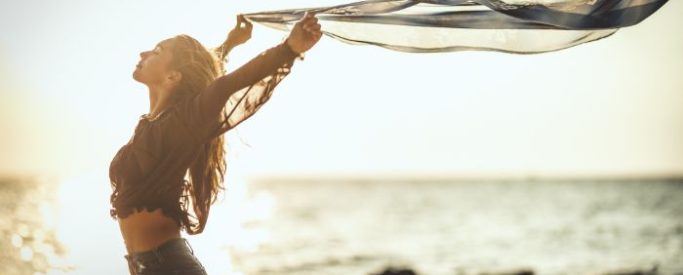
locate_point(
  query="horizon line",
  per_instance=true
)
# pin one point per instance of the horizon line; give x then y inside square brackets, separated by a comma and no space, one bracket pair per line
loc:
[471,177]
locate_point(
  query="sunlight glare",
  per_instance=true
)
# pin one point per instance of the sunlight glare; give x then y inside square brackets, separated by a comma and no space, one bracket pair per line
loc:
[26,253]
[17,241]
[96,244]
[231,226]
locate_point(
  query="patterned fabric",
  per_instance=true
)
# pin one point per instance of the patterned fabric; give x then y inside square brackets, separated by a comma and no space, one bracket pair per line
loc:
[513,26]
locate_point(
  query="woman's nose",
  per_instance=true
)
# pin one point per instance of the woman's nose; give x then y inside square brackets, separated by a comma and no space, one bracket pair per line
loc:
[143,54]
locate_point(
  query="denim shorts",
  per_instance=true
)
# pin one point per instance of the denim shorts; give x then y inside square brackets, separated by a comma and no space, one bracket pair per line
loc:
[172,257]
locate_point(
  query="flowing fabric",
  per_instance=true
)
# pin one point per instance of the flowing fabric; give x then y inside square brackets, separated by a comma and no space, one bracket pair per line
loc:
[513,26]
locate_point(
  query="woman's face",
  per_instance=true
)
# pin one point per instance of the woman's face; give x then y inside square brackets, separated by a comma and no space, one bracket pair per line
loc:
[154,66]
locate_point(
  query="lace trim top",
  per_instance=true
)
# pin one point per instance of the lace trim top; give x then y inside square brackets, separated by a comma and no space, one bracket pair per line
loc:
[149,171]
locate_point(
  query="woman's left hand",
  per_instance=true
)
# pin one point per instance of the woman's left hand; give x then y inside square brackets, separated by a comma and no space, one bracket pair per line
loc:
[239,35]
[305,34]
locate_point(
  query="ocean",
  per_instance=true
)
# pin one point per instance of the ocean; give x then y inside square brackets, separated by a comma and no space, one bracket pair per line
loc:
[362,226]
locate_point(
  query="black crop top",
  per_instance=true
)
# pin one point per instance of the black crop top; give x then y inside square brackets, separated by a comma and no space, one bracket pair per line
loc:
[149,171]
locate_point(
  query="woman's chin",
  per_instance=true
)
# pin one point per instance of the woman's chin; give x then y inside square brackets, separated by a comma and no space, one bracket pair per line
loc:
[136,75]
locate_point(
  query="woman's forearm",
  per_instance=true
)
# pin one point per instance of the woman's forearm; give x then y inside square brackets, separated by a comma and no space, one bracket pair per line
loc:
[267,63]
[237,36]
[224,49]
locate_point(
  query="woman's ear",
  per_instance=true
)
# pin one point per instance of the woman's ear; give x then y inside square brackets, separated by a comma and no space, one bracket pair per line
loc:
[174,77]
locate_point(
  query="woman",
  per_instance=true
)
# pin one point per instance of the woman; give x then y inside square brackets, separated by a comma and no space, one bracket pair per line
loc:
[167,176]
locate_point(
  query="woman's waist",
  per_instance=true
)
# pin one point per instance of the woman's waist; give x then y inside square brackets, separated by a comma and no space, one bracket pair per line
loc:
[145,230]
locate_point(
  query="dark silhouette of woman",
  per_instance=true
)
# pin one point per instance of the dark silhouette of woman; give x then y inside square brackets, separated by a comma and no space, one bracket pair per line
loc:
[167,176]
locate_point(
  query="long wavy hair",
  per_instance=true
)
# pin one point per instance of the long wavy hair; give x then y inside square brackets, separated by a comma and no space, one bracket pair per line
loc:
[199,67]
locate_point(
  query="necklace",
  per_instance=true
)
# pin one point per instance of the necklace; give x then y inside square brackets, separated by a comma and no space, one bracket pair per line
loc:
[148,117]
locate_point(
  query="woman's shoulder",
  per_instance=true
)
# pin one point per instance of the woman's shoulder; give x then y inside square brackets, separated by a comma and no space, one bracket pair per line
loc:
[169,127]
[186,118]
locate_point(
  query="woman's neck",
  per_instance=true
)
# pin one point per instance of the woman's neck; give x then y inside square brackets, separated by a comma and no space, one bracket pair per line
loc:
[159,100]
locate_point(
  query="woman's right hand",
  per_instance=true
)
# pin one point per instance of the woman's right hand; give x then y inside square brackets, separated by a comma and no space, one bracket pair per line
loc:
[305,34]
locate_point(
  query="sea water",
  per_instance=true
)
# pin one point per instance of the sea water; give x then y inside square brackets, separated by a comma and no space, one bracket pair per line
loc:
[341,226]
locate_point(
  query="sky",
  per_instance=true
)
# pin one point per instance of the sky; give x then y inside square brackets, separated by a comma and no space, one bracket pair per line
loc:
[606,108]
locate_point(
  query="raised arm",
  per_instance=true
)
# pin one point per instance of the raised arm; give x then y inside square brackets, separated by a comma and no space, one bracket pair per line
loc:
[244,90]
[237,36]
[214,98]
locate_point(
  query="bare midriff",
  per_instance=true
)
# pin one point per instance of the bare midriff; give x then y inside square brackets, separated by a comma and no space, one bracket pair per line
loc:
[145,230]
